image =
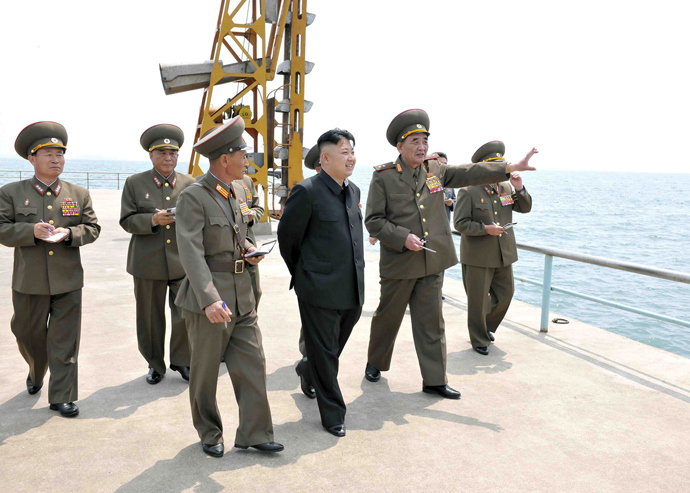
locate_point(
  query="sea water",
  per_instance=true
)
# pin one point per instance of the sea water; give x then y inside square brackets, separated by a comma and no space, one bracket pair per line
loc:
[635,217]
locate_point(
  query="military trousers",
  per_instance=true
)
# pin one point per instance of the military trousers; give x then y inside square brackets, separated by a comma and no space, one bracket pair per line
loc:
[489,293]
[256,282]
[48,329]
[423,295]
[326,331]
[151,325]
[240,344]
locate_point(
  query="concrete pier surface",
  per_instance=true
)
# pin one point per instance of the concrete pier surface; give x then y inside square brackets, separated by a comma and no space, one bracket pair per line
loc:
[577,409]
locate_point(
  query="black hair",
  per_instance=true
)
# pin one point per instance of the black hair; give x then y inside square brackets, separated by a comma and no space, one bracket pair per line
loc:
[443,155]
[333,137]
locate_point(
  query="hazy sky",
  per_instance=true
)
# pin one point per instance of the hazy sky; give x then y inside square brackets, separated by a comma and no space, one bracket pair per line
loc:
[596,85]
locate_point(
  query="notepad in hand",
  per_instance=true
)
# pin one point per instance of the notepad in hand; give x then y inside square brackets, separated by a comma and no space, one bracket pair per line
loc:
[264,249]
[55,238]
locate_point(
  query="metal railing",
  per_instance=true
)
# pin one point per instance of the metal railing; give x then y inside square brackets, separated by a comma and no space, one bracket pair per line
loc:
[23,174]
[547,287]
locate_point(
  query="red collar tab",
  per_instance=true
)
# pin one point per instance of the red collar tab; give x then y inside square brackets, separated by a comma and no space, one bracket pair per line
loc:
[221,190]
[174,181]
[157,181]
[39,188]
[58,189]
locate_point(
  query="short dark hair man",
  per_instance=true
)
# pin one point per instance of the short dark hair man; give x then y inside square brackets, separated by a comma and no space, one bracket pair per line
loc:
[321,240]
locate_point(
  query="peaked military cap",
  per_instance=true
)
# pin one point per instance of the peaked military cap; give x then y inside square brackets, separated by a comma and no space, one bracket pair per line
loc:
[222,139]
[39,135]
[491,151]
[163,136]
[313,158]
[407,123]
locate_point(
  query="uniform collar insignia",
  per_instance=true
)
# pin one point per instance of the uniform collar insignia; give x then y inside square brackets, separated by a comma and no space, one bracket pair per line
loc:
[174,181]
[39,188]
[58,189]
[221,190]
[398,167]
[157,181]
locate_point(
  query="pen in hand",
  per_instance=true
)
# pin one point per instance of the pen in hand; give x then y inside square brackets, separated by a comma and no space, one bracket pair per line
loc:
[226,322]
[50,230]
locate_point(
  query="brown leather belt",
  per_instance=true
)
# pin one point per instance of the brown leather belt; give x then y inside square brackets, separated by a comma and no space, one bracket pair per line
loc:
[236,266]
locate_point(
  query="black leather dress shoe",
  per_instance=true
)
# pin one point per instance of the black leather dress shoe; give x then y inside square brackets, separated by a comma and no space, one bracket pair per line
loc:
[442,390]
[482,350]
[153,377]
[304,379]
[492,337]
[30,387]
[68,410]
[372,374]
[184,371]
[337,430]
[264,447]
[213,450]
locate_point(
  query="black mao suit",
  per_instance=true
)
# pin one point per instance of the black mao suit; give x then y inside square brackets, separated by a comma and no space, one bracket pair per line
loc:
[321,240]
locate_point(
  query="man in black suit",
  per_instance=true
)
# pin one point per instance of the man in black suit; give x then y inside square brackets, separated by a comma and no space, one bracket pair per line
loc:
[321,240]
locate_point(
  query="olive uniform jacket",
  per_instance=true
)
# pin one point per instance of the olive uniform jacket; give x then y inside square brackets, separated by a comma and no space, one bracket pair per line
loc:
[153,249]
[475,208]
[41,267]
[397,207]
[322,243]
[253,200]
[203,234]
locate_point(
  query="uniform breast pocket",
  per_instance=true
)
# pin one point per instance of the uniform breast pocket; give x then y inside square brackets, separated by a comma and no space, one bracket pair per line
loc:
[146,206]
[24,212]
[218,221]
[482,212]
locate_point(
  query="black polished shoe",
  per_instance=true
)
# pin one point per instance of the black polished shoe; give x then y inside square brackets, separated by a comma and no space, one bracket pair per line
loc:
[482,350]
[442,390]
[372,374]
[264,447]
[68,410]
[213,450]
[304,379]
[184,371]
[30,387]
[337,430]
[492,337]
[153,377]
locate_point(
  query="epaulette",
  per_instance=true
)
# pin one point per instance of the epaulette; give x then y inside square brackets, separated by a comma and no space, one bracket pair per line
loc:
[381,167]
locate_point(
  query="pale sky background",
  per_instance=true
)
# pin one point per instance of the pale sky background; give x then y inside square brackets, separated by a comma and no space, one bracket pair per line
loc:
[594,85]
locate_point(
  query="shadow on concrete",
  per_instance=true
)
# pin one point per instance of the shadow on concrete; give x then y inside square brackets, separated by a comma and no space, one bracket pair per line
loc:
[469,362]
[191,470]
[17,416]
[632,374]
[378,405]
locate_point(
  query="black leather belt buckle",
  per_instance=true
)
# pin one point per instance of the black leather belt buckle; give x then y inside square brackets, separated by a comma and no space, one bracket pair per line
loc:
[239,266]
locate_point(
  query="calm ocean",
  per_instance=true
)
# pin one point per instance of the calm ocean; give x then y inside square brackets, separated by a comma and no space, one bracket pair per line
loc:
[634,217]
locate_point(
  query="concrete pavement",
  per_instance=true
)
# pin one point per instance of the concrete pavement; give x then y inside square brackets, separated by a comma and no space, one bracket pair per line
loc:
[577,409]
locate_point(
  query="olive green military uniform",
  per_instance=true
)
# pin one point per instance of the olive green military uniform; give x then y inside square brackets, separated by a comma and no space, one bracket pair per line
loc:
[253,201]
[154,262]
[47,278]
[487,271]
[396,207]
[211,256]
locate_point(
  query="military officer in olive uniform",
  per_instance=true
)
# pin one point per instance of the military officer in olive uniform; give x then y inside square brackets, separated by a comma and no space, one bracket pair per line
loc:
[152,258]
[405,211]
[253,212]
[311,161]
[216,297]
[487,249]
[48,275]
